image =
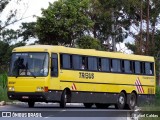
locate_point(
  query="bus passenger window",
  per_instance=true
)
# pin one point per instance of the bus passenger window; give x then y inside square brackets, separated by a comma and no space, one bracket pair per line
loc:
[54,67]
[115,65]
[142,65]
[92,63]
[137,67]
[148,68]
[99,64]
[76,62]
[105,64]
[151,68]
[84,63]
[83,67]
[122,66]
[127,66]
[66,61]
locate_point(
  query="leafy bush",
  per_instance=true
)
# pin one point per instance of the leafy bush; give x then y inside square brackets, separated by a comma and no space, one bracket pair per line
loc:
[3,87]
[157,101]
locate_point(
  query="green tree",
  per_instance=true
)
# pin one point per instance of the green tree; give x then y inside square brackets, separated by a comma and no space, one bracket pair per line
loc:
[5,54]
[88,42]
[66,21]
[145,40]
[63,22]
[7,36]
[27,31]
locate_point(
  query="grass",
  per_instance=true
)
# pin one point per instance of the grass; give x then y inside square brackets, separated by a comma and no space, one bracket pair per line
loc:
[3,87]
[153,107]
[158,95]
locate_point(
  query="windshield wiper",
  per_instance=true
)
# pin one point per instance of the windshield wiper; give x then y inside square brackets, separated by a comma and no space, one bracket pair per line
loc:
[17,76]
[32,73]
[29,70]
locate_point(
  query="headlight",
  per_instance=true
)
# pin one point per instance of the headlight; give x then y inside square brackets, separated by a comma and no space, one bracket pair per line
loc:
[11,88]
[40,89]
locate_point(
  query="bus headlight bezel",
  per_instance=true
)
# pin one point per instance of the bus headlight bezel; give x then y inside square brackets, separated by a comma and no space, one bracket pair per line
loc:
[11,88]
[40,89]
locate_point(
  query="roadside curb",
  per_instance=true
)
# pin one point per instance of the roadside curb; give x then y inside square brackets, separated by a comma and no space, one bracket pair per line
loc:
[39,103]
[2,103]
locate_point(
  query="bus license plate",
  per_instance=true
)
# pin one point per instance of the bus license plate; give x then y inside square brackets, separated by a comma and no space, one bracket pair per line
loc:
[25,97]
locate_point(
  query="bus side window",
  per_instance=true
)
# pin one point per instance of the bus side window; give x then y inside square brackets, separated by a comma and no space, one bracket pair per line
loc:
[84,63]
[99,64]
[142,65]
[65,61]
[122,66]
[151,68]
[54,63]
[92,63]
[148,68]
[137,67]
[127,66]
[115,65]
[105,65]
[77,62]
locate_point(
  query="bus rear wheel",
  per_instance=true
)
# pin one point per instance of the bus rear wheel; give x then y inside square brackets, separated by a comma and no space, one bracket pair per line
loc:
[31,104]
[132,101]
[87,105]
[121,102]
[64,99]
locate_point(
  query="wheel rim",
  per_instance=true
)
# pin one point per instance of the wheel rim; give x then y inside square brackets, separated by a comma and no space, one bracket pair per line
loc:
[132,101]
[65,98]
[121,100]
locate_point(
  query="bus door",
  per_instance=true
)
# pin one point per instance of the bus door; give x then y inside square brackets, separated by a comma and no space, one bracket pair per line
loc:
[54,82]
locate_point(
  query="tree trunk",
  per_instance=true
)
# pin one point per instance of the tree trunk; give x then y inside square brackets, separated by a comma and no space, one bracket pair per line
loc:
[141,39]
[147,36]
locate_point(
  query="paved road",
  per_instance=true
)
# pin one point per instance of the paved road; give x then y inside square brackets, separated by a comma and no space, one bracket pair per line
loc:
[52,111]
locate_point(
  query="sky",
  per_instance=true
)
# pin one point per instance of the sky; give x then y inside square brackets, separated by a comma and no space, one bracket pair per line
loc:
[26,9]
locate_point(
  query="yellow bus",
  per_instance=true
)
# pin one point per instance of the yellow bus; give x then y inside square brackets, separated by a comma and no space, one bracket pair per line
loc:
[45,73]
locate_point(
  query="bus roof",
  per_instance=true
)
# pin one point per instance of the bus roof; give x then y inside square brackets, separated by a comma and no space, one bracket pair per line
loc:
[88,52]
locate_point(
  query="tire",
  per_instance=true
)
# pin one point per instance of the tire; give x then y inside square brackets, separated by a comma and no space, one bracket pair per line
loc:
[64,99]
[101,105]
[121,101]
[116,106]
[87,105]
[31,104]
[132,101]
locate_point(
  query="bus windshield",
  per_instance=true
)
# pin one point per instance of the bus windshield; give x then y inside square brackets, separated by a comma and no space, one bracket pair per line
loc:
[29,64]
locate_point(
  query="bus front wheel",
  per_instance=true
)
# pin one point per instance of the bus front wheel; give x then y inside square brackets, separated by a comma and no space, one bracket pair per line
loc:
[31,104]
[64,98]
[121,102]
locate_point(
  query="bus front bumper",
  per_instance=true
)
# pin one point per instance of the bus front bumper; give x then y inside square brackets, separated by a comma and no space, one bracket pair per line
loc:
[53,96]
